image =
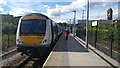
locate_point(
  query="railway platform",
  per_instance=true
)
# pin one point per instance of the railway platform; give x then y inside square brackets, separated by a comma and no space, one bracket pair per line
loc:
[72,53]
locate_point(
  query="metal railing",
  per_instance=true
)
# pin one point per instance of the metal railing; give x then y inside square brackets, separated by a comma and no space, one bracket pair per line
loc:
[105,40]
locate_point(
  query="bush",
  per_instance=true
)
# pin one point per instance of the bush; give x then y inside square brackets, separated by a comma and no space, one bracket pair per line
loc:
[104,34]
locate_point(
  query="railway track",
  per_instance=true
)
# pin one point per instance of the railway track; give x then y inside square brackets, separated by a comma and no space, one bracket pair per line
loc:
[8,54]
[33,62]
[13,61]
[19,61]
[23,63]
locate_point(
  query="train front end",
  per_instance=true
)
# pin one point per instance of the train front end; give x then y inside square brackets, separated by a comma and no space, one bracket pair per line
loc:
[30,38]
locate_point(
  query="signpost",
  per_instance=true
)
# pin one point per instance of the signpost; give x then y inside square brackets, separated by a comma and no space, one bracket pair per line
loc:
[95,23]
[109,16]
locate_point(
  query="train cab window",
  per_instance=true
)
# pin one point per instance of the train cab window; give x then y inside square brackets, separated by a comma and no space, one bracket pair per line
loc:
[33,26]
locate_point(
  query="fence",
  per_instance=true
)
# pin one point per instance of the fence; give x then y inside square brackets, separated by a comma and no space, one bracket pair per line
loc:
[9,26]
[104,38]
[8,40]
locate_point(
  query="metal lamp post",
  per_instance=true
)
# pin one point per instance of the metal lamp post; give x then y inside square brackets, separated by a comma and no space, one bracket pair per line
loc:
[74,23]
[87,24]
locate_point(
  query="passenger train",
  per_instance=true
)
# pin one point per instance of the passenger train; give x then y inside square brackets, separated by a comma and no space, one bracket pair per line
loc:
[35,34]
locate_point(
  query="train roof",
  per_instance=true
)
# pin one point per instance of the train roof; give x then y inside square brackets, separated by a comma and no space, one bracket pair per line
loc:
[37,14]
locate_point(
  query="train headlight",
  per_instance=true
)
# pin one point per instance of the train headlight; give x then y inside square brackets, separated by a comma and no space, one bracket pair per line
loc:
[44,41]
[19,42]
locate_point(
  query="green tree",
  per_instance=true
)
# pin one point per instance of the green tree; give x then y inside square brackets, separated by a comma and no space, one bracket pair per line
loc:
[65,24]
[118,28]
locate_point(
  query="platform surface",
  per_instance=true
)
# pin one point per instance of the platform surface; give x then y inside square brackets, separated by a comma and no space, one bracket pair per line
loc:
[71,53]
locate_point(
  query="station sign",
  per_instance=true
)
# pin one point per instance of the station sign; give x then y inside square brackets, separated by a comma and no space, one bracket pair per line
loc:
[94,23]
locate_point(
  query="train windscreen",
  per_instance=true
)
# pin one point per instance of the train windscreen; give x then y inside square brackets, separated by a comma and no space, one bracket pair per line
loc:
[33,27]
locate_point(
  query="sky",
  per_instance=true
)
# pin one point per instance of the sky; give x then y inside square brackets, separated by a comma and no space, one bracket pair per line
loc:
[60,10]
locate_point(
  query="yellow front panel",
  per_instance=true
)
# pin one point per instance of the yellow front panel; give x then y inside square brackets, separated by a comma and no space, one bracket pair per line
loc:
[31,40]
[33,17]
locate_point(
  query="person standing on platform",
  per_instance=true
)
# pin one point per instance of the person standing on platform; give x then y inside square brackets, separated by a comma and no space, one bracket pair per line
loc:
[66,33]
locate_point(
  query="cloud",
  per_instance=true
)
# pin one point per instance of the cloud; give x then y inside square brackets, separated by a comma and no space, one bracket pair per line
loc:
[53,11]
[115,14]
[20,11]
[2,2]
[60,0]
[64,12]
[1,9]
[22,8]
[110,0]
[39,0]
[76,5]
[58,10]
[46,6]
[15,5]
